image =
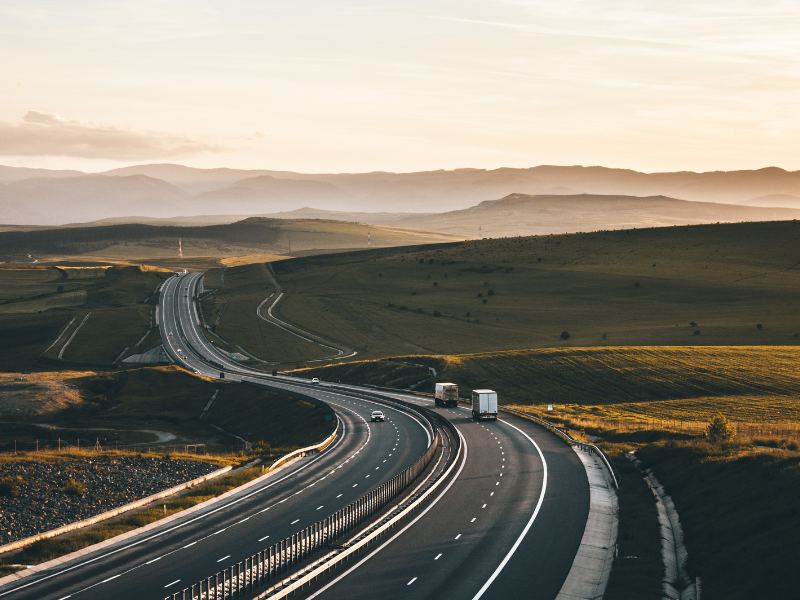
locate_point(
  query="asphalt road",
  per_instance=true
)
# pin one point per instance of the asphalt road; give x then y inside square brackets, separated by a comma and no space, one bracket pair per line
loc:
[507,526]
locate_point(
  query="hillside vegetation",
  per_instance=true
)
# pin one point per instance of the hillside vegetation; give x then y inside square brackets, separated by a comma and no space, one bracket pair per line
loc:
[727,285]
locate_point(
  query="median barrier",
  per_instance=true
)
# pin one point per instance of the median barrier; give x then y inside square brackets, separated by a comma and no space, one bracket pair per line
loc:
[284,556]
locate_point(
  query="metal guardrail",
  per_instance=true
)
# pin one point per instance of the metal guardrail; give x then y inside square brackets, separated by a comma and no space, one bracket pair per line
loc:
[586,447]
[318,447]
[278,559]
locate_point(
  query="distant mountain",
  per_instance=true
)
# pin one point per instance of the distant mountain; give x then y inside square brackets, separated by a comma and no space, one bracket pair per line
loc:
[775,200]
[265,193]
[12,174]
[519,214]
[88,197]
[258,192]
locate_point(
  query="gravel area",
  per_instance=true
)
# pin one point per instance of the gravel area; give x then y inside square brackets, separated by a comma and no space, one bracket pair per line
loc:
[40,504]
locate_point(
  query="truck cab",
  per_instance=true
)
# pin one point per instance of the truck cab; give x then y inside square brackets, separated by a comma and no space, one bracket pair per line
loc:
[446,394]
[484,404]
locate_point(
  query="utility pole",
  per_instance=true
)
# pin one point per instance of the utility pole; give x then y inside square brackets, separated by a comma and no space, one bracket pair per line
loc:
[180,248]
[369,239]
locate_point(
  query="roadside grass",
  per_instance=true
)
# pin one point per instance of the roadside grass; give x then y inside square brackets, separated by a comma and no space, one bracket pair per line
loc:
[601,288]
[618,389]
[739,512]
[51,548]
[107,332]
[636,573]
[139,406]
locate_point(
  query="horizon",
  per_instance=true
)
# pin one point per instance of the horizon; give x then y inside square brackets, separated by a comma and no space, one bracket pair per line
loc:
[323,88]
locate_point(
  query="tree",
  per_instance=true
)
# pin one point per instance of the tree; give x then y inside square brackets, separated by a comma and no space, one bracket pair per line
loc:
[759,327]
[490,292]
[565,335]
[697,332]
[719,430]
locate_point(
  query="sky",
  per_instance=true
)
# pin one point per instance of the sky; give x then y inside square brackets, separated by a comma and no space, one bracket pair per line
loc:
[345,86]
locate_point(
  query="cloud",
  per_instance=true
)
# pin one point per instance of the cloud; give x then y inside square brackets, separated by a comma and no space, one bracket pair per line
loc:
[43,134]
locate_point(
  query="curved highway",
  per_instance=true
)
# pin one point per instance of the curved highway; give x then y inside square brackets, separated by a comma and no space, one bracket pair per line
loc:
[507,525]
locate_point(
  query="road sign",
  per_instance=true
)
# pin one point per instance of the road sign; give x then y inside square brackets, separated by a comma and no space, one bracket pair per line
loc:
[549,407]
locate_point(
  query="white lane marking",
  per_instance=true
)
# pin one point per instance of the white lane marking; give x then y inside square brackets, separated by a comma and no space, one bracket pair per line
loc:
[169,584]
[192,544]
[223,558]
[262,539]
[498,483]
[366,477]
[403,530]
[438,556]
[149,562]
[243,520]
[220,531]
[295,521]
[65,597]
[339,496]
[484,506]
[473,519]
[412,581]
[110,578]
[354,485]
[458,536]
[320,506]
[530,523]
[376,468]
[492,494]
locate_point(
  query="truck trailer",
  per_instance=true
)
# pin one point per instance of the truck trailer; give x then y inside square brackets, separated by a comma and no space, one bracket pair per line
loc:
[446,394]
[484,404]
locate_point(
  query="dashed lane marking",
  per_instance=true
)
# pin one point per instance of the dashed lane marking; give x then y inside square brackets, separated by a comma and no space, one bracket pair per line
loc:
[223,558]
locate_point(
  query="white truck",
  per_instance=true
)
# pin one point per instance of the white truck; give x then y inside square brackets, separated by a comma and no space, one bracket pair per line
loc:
[484,404]
[446,394]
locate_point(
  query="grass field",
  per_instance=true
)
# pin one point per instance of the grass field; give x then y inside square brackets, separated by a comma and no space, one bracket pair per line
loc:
[157,407]
[678,286]
[36,303]
[738,509]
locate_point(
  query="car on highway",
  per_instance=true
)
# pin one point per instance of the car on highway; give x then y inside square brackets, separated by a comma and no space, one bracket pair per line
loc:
[315,380]
[377,415]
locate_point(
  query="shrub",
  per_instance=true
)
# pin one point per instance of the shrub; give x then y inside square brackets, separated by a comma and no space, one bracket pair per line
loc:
[759,327]
[429,275]
[430,261]
[9,486]
[565,335]
[719,430]
[419,310]
[60,289]
[480,295]
[692,324]
[76,488]
[468,315]
[635,284]
[490,293]
[485,284]
[485,301]
[413,293]
[603,336]
[404,307]
[380,274]
[796,335]
[421,260]
[391,305]
[539,259]
[697,332]
[436,313]
[435,283]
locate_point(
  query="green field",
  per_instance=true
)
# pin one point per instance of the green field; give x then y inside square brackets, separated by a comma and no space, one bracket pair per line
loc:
[678,286]
[37,303]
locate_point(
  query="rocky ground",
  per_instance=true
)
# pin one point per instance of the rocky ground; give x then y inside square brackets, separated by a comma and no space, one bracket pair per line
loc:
[38,503]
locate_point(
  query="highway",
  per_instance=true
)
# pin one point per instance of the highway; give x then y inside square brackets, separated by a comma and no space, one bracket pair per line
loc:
[507,526]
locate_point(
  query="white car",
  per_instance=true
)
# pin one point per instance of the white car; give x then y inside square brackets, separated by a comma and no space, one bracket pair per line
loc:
[315,380]
[377,415]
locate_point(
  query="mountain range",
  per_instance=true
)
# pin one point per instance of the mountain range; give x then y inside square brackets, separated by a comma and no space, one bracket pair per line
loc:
[42,197]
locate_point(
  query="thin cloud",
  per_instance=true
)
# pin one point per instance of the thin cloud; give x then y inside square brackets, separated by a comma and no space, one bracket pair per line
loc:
[43,134]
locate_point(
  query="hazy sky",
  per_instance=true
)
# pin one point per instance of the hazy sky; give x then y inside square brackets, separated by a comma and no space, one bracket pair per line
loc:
[401,85]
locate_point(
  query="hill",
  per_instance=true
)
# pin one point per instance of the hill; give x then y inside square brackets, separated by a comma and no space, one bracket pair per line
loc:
[775,200]
[51,201]
[143,243]
[519,214]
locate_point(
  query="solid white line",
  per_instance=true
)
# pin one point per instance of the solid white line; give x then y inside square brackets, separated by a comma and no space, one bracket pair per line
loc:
[110,578]
[458,536]
[262,539]
[412,581]
[150,562]
[223,558]
[295,521]
[530,523]
[399,533]
[438,556]
[173,583]
[320,507]
[192,544]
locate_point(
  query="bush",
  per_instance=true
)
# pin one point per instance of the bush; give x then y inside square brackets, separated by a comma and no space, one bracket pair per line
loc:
[404,307]
[635,284]
[565,335]
[436,313]
[9,486]
[697,332]
[692,324]
[485,301]
[759,327]
[60,289]
[796,335]
[419,310]
[468,315]
[435,283]
[76,488]
[391,305]
[719,430]
[480,295]
[380,274]
[490,293]
[413,293]
[485,284]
